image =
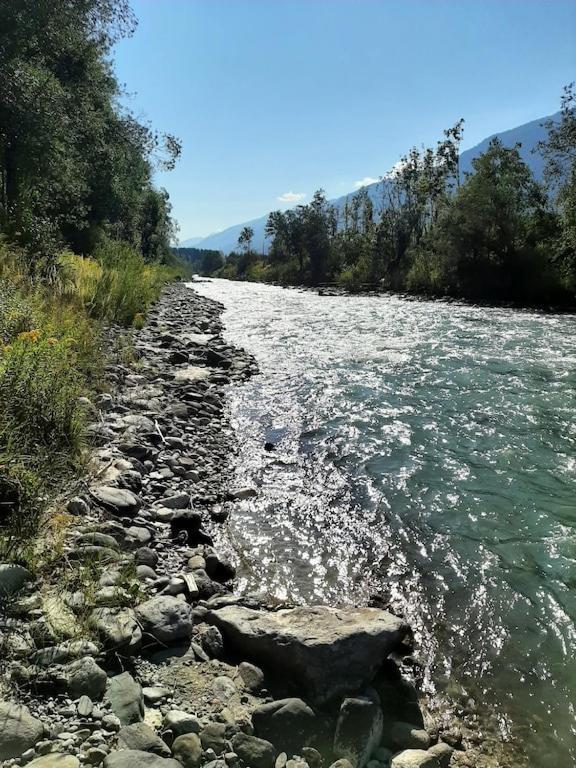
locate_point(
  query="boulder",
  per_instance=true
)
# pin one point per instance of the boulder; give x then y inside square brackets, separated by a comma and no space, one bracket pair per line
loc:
[180,722]
[117,500]
[415,758]
[252,676]
[442,752]
[188,750]
[67,651]
[329,652]
[165,618]
[19,731]
[257,753]
[141,736]
[359,728]
[133,758]
[55,760]
[126,698]
[117,628]
[290,724]
[213,736]
[12,578]
[83,678]
[407,736]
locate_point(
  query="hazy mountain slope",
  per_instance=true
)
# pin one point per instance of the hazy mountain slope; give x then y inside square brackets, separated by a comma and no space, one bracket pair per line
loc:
[528,135]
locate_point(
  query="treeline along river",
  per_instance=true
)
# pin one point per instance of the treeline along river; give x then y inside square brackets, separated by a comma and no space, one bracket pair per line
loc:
[424,452]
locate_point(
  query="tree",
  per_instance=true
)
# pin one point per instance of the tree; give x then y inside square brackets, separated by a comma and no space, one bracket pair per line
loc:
[245,239]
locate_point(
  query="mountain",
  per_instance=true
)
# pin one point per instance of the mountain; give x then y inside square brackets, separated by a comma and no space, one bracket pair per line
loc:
[192,242]
[527,135]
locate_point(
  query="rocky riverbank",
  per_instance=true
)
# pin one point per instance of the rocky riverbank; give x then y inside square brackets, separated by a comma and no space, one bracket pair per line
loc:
[129,647]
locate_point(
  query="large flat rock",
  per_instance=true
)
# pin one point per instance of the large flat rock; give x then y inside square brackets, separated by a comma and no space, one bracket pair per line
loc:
[330,652]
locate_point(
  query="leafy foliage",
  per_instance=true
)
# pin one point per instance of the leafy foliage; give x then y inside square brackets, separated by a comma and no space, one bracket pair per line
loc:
[492,235]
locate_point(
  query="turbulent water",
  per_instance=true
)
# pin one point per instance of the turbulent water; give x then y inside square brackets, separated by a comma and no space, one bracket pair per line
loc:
[424,453]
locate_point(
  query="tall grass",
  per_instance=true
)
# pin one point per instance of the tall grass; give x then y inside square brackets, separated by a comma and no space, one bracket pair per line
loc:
[50,357]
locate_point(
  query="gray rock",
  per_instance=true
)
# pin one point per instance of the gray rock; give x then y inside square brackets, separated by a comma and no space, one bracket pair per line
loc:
[117,500]
[78,506]
[126,699]
[359,728]
[155,693]
[146,556]
[19,731]
[343,763]
[12,578]
[329,652]
[252,676]
[442,752]
[97,539]
[177,501]
[85,706]
[213,736]
[255,752]
[211,641]
[167,619]
[117,628]
[407,736]
[290,724]
[223,687]
[188,750]
[133,758]
[69,650]
[83,678]
[414,758]
[137,535]
[55,760]
[312,757]
[141,736]
[144,572]
[180,722]
[243,493]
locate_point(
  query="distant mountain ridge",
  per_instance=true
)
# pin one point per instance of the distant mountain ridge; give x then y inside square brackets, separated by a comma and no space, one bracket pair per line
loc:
[527,135]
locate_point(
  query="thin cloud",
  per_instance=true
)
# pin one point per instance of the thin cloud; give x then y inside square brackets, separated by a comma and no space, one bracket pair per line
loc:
[365,182]
[291,197]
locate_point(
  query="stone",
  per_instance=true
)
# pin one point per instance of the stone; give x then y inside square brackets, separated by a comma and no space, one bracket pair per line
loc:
[117,628]
[155,694]
[83,678]
[414,758]
[255,752]
[165,618]
[98,539]
[117,500]
[78,506]
[19,731]
[70,650]
[219,569]
[133,758]
[211,641]
[141,736]
[95,755]
[407,736]
[126,699]
[223,688]
[252,676]
[290,724]
[55,760]
[12,578]
[188,750]
[191,373]
[312,757]
[358,728]
[176,501]
[342,763]
[243,493]
[180,722]
[442,752]
[85,706]
[213,736]
[329,652]
[146,556]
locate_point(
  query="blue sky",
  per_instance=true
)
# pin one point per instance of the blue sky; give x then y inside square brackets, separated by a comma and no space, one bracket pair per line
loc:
[276,98]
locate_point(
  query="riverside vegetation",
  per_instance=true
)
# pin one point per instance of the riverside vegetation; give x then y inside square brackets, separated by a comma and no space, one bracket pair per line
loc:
[494,235]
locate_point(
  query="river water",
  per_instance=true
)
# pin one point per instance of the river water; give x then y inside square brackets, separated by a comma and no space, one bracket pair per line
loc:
[425,454]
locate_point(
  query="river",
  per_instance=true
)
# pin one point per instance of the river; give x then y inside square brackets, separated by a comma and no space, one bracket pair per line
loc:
[424,453]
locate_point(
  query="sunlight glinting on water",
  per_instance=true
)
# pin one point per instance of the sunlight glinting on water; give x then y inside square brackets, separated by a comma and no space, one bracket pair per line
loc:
[424,452]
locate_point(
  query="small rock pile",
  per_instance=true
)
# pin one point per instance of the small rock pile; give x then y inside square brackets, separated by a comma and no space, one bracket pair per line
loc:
[134,651]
